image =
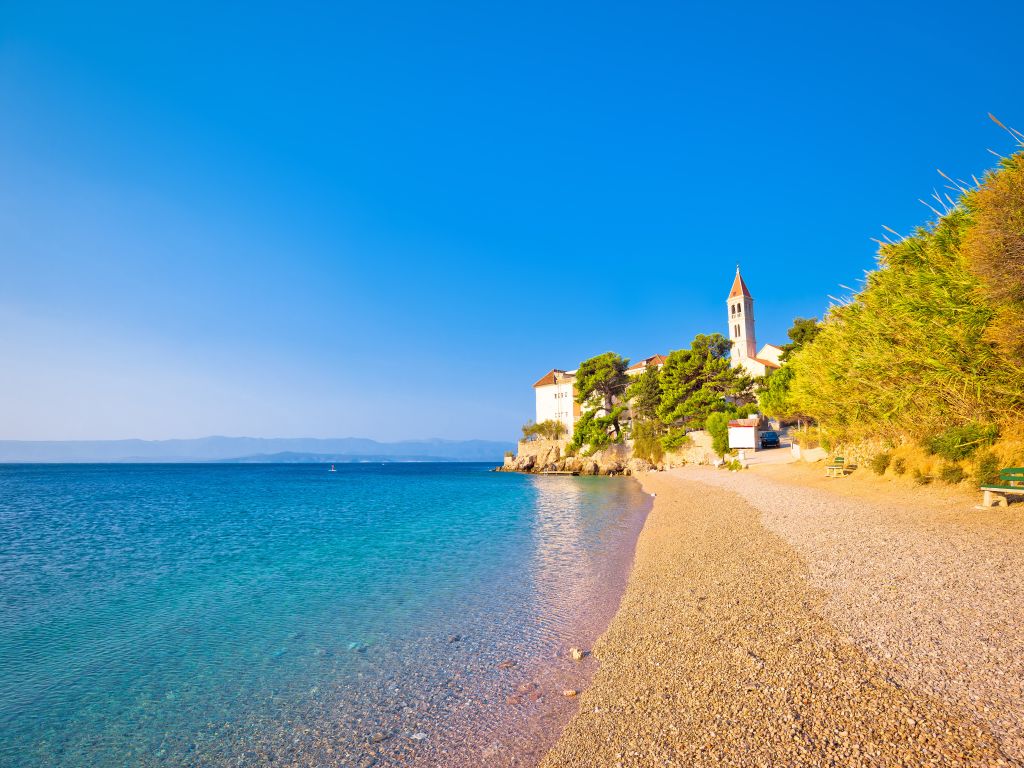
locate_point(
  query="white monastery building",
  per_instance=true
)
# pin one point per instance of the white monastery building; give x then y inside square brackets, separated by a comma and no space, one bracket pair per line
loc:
[741,332]
[556,392]
[556,398]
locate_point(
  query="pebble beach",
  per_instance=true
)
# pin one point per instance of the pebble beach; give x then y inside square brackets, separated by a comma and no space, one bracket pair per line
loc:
[772,620]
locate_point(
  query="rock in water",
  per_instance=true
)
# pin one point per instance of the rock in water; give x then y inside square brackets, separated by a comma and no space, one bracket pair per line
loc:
[577,654]
[569,693]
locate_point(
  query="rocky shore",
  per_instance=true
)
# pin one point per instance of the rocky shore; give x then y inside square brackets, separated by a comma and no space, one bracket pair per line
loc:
[550,456]
[747,636]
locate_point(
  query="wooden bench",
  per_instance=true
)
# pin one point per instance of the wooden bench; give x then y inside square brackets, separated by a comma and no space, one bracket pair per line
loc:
[837,468]
[1011,480]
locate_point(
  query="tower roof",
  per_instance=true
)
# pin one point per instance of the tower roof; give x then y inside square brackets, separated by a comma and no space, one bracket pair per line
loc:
[739,288]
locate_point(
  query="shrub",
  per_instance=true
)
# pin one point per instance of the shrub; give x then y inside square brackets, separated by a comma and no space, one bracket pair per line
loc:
[960,442]
[806,437]
[986,472]
[717,426]
[899,466]
[509,454]
[880,463]
[952,474]
[647,441]
[920,477]
[934,338]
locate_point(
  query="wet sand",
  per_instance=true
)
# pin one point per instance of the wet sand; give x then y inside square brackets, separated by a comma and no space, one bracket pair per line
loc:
[770,623]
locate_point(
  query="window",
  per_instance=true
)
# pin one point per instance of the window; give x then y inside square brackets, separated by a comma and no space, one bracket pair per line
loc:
[737,331]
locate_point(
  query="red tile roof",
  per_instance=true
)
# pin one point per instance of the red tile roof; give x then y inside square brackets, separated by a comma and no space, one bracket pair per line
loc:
[548,378]
[652,360]
[751,422]
[739,288]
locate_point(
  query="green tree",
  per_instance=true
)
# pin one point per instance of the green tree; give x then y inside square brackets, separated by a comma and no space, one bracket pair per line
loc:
[600,383]
[551,429]
[775,393]
[593,430]
[695,382]
[644,395]
[803,331]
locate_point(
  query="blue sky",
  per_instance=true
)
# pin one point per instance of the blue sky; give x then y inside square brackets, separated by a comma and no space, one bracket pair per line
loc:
[389,219]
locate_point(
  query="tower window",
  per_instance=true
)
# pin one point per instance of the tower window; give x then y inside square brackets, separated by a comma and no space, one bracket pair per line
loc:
[737,331]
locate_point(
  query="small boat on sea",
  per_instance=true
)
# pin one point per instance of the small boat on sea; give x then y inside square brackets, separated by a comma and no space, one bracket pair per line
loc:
[332,469]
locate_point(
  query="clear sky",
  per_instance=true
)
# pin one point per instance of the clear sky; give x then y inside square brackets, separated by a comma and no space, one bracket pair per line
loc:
[388,219]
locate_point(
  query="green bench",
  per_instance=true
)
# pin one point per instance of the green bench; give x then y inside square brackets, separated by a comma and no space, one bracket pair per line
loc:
[837,468]
[1011,480]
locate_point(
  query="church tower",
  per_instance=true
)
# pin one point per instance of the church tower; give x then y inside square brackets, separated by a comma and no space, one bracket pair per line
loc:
[741,321]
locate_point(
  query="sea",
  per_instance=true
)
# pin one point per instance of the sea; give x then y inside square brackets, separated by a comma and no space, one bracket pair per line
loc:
[282,614]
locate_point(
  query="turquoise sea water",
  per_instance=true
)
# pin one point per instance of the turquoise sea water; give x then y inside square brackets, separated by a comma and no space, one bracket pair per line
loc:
[179,615]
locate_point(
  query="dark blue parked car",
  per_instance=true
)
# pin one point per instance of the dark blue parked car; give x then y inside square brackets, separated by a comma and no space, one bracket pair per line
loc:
[769,439]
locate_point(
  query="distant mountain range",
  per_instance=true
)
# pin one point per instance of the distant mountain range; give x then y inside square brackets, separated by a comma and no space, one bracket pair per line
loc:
[250,450]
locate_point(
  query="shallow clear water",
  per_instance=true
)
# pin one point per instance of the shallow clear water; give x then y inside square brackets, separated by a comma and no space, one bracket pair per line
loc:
[250,615]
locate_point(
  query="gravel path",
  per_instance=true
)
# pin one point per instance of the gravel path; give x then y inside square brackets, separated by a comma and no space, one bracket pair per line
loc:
[724,653]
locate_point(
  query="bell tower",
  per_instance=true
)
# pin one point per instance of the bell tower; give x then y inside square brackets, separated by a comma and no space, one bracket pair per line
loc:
[740,308]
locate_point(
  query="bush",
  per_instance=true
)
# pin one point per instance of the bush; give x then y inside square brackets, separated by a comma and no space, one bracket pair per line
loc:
[880,463]
[952,474]
[807,437]
[899,466]
[647,443]
[509,454]
[960,442]
[986,472]
[717,426]
[920,477]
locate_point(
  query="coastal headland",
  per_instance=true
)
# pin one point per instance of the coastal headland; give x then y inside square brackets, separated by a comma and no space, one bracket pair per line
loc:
[771,619]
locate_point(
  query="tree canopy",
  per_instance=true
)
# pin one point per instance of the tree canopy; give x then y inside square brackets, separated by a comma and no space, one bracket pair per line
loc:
[803,331]
[695,382]
[601,379]
[644,395]
[600,388]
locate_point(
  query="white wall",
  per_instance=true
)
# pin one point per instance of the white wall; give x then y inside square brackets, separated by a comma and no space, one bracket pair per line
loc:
[770,353]
[742,437]
[555,402]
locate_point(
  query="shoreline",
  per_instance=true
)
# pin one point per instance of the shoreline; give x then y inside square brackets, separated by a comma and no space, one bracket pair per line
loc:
[753,637]
[538,711]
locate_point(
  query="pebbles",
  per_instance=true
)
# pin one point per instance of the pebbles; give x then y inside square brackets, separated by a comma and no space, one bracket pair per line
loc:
[927,585]
[753,673]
